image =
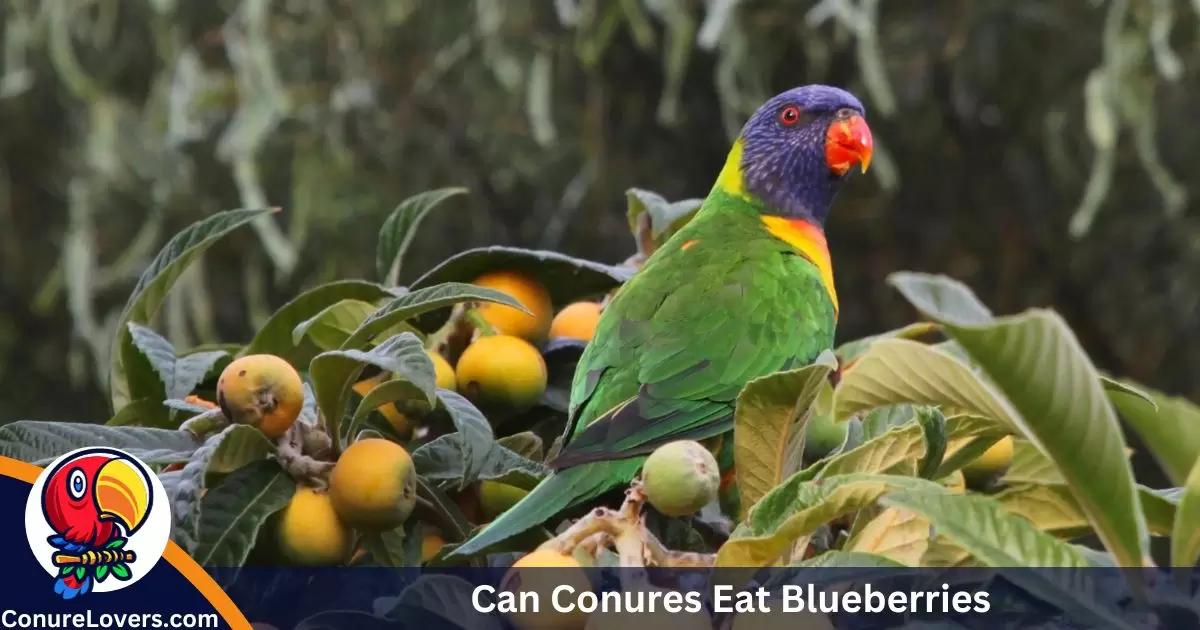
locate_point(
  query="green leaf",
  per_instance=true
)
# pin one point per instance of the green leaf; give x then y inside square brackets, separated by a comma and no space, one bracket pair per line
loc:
[567,279]
[1112,386]
[769,423]
[142,355]
[142,413]
[179,374]
[121,571]
[1185,535]
[333,326]
[241,446]
[232,513]
[798,507]
[1171,431]
[900,536]
[900,449]
[653,219]
[941,298]
[1053,508]
[898,371]
[442,461]
[275,336]
[848,352]
[1036,361]
[1029,465]
[158,278]
[933,431]
[388,391]
[40,442]
[883,419]
[452,520]
[387,548]
[400,229]
[420,301]
[101,572]
[527,444]
[184,493]
[116,543]
[334,372]
[980,525]
[477,436]
[80,571]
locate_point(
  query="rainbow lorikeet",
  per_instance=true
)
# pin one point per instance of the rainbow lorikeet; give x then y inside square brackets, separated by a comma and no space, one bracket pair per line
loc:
[93,502]
[743,290]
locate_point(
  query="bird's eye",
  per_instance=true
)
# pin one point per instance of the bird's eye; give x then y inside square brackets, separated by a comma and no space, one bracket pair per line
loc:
[789,115]
[76,484]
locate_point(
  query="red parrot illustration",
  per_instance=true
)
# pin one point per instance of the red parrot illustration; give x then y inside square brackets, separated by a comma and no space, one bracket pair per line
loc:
[94,502]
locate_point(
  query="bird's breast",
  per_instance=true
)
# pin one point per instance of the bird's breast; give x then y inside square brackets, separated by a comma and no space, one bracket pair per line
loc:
[808,240]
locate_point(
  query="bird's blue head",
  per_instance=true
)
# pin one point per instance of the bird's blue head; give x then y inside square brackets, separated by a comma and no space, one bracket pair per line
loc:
[797,149]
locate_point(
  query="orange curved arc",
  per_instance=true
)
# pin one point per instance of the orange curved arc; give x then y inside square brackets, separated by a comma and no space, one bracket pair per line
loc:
[173,554]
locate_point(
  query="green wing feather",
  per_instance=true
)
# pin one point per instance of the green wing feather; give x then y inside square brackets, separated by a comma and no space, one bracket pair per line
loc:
[673,350]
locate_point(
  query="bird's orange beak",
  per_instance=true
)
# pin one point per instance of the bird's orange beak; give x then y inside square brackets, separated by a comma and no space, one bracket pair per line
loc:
[122,493]
[848,142]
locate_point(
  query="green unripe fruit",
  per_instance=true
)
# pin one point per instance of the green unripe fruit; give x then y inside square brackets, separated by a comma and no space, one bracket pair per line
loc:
[680,478]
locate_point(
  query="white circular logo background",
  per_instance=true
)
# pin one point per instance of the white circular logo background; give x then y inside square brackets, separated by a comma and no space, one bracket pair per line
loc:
[148,542]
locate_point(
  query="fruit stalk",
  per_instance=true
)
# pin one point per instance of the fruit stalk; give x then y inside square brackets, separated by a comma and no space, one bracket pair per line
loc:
[626,530]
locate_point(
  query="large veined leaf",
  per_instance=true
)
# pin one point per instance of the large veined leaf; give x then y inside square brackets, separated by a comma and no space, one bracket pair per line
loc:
[477,436]
[1051,569]
[184,493]
[1170,428]
[567,279]
[158,278]
[400,228]
[179,375]
[897,371]
[275,335]
[898,451]
[146,412]
[1053,508]
[420,301]
[1185,536]
[1029,465]
[232,513]
[331,327]
[1064,410]
[798,507]
[898,535]
[40,443]
[442,461]
[335,371]
[239,447]
[942,296]
[769,424]
[848,352]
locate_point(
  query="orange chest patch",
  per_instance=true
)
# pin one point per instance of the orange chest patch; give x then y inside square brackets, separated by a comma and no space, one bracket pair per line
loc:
[809,241]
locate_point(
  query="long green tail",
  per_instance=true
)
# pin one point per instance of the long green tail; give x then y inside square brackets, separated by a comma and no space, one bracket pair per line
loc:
[559,491]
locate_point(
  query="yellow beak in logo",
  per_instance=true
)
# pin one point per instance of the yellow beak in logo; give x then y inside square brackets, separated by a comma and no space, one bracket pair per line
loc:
[123,493]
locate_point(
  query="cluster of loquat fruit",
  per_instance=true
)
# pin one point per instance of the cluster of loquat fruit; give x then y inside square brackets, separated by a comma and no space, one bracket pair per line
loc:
[372,485]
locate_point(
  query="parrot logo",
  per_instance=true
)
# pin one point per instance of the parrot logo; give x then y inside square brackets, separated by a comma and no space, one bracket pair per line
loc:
[97,520]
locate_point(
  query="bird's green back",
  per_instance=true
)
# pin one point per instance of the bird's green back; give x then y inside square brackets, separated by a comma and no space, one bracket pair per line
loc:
[722,302]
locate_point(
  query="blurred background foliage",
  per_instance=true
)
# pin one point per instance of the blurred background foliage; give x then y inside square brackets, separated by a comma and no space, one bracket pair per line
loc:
[1041,151]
